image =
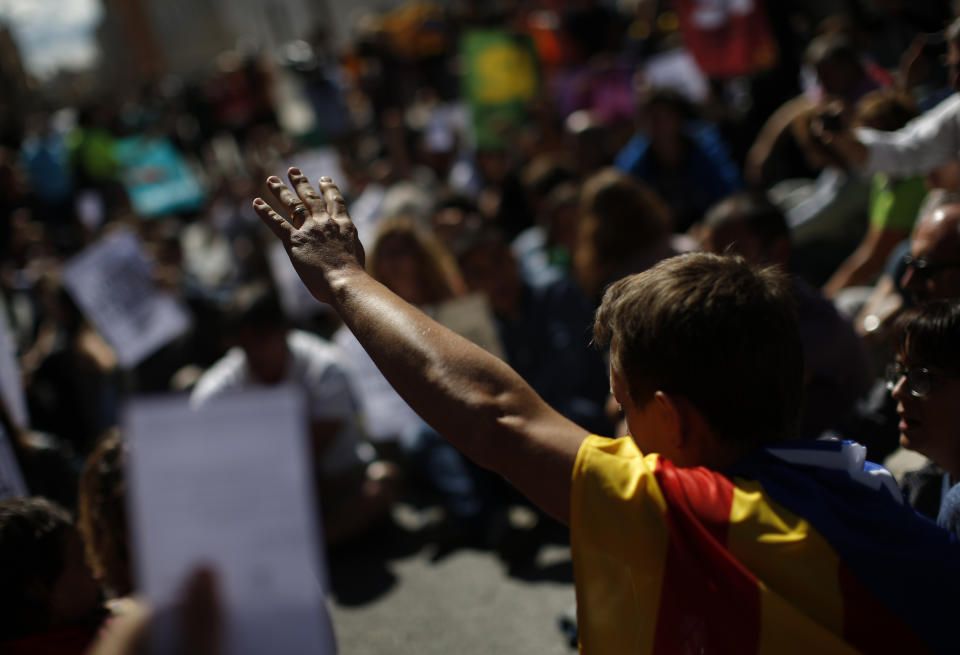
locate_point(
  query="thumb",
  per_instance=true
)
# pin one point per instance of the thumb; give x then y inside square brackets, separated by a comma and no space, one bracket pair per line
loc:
[201,617]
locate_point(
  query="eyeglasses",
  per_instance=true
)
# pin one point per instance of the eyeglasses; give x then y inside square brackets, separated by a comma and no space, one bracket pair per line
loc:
[919,379]
[925,267]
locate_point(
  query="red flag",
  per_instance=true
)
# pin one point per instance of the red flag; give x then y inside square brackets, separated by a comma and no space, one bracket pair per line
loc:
[728,38]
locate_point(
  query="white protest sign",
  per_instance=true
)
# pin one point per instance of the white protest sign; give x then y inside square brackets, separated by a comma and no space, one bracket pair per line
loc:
[11,384]
[112,283]
[11,480]
[228,485]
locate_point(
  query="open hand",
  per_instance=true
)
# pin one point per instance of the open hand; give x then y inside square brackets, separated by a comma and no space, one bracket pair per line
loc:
[320,238]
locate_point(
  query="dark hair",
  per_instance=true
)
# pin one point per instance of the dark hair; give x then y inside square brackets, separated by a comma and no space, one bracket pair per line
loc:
[477,236]
[715,330]
[931,334]
[629,214]
[454,200]
[669,98]
[102,514]
[546,172]
[763,218]
[619,218]
[257,306]
[437,273]
[32,539]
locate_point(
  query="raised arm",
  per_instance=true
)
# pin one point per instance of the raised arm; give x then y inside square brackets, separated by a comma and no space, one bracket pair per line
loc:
[470,397]
[921,145]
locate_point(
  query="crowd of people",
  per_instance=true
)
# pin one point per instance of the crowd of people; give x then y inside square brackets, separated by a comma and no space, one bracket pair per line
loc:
[752,266]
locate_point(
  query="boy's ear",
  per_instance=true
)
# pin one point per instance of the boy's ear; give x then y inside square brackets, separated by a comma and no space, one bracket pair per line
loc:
[618,387]
[683,421]
[670,416]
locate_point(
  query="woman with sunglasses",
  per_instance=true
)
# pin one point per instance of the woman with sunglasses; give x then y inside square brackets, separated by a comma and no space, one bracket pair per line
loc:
[925,382]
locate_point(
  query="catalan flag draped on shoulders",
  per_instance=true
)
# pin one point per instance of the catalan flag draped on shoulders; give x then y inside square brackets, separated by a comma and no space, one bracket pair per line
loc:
[804,548]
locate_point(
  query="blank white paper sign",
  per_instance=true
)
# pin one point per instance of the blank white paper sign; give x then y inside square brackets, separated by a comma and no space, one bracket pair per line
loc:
[229,485]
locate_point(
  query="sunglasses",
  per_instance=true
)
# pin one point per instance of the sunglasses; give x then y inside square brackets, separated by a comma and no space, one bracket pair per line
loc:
[919,379]
[927,268]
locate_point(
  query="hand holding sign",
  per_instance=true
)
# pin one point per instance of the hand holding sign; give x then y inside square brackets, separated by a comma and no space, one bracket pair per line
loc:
[229,486]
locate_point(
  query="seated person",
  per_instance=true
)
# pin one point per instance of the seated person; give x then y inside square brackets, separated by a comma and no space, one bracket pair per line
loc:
[926,269]
[624,227]
[48,599]
[842,73]
[710,528]
[543,326]
[917,148]
[355,488]
[925,382]
[836,368]
[415,265]
[102,516]
[546,248]
[684,160]
[894,202]
[827,215]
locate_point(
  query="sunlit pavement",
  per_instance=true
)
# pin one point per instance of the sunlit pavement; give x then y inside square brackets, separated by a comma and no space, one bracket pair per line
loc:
[398,591]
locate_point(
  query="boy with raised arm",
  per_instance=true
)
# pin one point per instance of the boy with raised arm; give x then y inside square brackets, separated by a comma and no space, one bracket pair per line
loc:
[710,529]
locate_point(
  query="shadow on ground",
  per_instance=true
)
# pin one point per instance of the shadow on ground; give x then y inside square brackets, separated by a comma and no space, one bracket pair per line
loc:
[360,571]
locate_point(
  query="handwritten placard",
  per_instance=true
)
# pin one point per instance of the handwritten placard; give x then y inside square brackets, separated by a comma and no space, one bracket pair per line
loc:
[112,283]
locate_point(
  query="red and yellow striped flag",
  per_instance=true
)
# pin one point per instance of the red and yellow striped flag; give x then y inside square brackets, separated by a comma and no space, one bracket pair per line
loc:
[803,548]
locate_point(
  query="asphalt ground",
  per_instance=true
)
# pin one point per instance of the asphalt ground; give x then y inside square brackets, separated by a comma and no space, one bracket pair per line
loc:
[419,585]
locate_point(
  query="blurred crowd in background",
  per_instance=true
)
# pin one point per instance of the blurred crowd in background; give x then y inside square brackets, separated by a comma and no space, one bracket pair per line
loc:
[503,162]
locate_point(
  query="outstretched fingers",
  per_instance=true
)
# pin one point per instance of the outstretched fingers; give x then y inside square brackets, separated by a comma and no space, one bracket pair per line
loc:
[297,209]
[277,224]
[336,205]
[306,192]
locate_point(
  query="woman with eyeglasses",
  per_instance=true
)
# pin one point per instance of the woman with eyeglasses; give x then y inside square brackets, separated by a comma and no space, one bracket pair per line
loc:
[925,382]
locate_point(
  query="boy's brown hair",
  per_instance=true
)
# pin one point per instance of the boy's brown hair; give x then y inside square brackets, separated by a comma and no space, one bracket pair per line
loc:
[717,331]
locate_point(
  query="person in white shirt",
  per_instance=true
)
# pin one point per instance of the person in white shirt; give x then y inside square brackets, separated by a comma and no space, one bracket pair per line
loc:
[920,146]
[355,489]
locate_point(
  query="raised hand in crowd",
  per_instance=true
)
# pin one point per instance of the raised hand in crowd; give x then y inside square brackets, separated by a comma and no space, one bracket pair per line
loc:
[320,238]
[472,398]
